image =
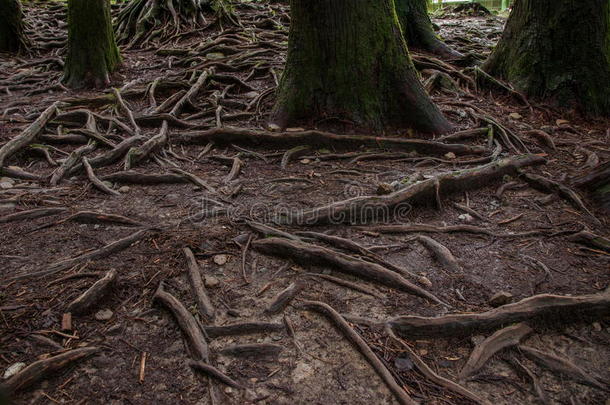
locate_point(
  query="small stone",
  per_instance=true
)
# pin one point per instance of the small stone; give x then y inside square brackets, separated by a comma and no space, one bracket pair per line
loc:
[12,370]
[5,185]
[384,188]
[172,197]
[103,315]
[211,281]
[450,155]
[515,116]
[228,390]
[403,364]
[251,94]
[423,352]
[597,327]
[425,281]
[562,122]
[273,127]
[477,340]
[124,189]
[306,161]
[7,180]
[215,55]
[500,298]
[466,218]
[220,259]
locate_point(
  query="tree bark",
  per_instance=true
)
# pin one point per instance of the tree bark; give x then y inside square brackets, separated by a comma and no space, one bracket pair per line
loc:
[558,50]
[92,51]
[418,31]
[12,37]
[348,59]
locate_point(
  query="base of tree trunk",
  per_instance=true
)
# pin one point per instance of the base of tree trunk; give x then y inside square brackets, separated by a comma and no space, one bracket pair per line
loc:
[348,60]
[557,50]
[597,181]
[144,20]
[418,31]
[92,51]
[12,37]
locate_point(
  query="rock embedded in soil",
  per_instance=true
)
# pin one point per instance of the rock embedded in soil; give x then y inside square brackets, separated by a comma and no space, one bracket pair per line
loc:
[501,298]
[211,281]
[220,259]
[13,369]
[103,315]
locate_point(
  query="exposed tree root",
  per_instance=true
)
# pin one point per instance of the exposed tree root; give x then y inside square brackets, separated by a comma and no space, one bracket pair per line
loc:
[215,373]
[307,254]
[593,240]
[201,296]
[419,228]
[138,154]
[360,208]
[133,177]
[247,328]
[253,350]
[284,298]
[95,180]
[29,134]
[441,253]
[348,284]
[544,307]
[507,337]
[562,366]
[317,139]
[100,253]
[401,396]
[433,376]
[72,160]
[31,214]
[95,217]
[47,367]
[186,321]
[89,298]
[522,370]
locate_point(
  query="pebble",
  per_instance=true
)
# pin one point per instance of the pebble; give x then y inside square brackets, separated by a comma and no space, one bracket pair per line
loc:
[515,116]
[211,281]
[500,298]
[103,315]
[450,155]
[273,127]
[305,161]
[597,327]
[13,369]
[5,185]
[220,259]
[466,218]
[124,189]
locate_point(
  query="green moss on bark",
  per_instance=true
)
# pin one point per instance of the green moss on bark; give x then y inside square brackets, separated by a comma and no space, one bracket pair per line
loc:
[417,28]
[92,51]
[558,50]
[348,59]
[12,37]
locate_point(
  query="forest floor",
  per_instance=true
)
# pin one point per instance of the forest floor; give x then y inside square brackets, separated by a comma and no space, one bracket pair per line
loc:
[520,241]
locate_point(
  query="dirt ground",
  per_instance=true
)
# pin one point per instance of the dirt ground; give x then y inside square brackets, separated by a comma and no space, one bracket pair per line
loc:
[316,365]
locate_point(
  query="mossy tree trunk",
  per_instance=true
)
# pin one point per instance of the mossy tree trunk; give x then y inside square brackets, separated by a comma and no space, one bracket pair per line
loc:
[557,50]
[348,59]
[418,31]
[92,51]
[12,37]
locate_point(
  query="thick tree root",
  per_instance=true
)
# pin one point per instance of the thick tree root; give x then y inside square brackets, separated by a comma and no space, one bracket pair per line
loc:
[590,239]
[138,154]
[31,214]
[252,350]
[441,253]
[215,373]
[237,329]
[95,217]
[186,321]
[201,296]
[507,337]
[562,366]
[421,228]
[544,308]
[72,160]
[47,367]
[29,134]
[89,298]
[318,139]
[100,185]
[433,376]
[358,209]
[307,254]
[401,396]
[284,298]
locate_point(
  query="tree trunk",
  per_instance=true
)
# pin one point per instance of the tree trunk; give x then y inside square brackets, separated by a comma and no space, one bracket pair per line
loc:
[597,181]
[417,28]
[348,59]
[12,38]
[92,51]
[558,50]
